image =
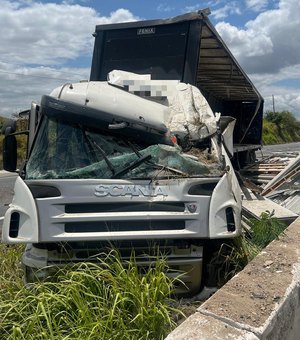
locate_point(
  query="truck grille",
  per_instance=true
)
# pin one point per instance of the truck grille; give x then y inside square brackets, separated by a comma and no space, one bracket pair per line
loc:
[118,226]
[79,215]
[76,208]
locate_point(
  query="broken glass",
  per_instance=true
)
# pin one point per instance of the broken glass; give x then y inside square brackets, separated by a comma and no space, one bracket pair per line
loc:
[67,151]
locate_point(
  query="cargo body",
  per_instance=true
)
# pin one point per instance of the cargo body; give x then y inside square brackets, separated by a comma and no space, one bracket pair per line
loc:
[186,48]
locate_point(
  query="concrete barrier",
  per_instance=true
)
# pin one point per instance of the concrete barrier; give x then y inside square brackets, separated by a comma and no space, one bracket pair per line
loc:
[261,302]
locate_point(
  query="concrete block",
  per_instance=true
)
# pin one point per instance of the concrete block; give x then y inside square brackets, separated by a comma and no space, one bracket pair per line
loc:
[202,327]
[261,302]
[264,297]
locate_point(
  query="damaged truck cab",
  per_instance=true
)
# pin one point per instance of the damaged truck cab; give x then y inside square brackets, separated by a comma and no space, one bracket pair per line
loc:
[134,161]
[109,167]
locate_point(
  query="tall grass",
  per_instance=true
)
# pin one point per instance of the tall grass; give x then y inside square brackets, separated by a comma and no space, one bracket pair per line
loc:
[11,274]
[233,257]
[104,300]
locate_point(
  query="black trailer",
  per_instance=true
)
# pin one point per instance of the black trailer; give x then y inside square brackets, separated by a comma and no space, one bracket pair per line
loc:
[186,48]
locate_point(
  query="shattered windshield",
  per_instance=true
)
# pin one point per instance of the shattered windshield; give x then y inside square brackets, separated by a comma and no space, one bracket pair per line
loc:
[71,151]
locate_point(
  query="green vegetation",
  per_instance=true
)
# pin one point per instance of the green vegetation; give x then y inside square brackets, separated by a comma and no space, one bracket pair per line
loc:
[11,274]
[104,300]
[235,256]
[280,127]
[265,230]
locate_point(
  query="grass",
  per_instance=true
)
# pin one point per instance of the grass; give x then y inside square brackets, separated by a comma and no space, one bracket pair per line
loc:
[233,257]
[11,274]
[104,300]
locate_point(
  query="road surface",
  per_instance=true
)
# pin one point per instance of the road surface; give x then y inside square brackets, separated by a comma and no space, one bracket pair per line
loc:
[269,149]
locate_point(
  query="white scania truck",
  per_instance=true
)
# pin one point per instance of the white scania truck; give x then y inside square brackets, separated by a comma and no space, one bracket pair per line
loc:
[136,160]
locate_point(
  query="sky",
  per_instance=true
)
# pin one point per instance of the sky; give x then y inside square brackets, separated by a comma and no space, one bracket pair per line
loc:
[44,44]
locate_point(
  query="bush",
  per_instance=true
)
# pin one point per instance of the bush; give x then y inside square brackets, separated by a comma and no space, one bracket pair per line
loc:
[270,133]
[266,229]
[280,127]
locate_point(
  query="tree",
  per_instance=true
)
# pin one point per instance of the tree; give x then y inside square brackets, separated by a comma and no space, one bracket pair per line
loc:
[287,125]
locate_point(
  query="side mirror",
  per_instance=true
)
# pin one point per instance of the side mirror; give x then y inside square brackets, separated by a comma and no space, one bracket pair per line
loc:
[9,127]
[10,153]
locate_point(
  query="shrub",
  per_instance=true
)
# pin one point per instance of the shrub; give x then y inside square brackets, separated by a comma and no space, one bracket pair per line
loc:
[280,127]
[266,229]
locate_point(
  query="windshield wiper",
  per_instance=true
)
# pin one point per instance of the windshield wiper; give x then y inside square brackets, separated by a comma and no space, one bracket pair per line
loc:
[103,154]
[131,166]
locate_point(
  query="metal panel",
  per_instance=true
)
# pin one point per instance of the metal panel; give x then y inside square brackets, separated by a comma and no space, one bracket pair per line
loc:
[203,44]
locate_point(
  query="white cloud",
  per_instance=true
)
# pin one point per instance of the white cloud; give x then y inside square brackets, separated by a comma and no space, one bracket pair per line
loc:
[257,5]
[164,7]
[286,97]
[192,8]
[265,80]
[229,9]
[268,48]
[50,34]
[19,85]
[269,42]
[245,43]
[284,101]
[220,9]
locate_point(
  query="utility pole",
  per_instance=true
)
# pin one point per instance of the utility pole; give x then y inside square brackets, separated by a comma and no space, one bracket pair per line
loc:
[273,101]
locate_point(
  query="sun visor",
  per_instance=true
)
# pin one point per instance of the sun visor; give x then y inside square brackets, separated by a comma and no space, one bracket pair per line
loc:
[95,118]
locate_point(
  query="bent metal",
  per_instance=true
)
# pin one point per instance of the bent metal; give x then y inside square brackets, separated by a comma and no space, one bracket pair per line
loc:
[129,190]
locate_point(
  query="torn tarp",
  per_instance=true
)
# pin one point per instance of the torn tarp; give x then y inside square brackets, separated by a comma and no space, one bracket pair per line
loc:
[189,115]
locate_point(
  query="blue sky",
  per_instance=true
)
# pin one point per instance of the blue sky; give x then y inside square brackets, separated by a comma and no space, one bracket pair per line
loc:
[237,10]
[46,43]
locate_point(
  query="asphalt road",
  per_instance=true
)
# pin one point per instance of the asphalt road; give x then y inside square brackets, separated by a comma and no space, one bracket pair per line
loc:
[269,149]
